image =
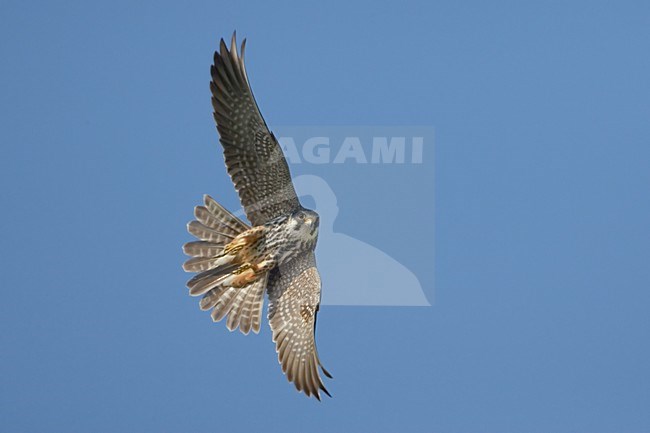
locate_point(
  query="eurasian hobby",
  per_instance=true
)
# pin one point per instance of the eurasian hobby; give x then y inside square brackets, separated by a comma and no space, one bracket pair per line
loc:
[237,263]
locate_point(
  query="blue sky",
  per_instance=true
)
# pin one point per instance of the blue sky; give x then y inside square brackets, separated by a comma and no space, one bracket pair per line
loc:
[541,170]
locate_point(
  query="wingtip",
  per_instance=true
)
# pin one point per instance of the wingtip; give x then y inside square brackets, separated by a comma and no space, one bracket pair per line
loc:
[326,373]
[315,393]
[223,48]
[233,41]
[325,391]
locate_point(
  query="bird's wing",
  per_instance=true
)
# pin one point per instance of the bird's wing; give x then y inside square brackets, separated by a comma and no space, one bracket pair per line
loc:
[294,297]
[253,156]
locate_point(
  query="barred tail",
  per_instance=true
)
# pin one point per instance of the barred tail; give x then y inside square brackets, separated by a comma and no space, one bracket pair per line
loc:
[243,306]
[219,272]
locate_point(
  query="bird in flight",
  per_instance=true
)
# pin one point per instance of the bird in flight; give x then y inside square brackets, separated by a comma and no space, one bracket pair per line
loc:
[237,263]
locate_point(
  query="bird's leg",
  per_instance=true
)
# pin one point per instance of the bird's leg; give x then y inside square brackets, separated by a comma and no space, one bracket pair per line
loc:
[267,264]
[250,272]
[245,241]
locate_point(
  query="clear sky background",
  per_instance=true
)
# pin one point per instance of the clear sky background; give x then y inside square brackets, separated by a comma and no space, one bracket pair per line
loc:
[540,320]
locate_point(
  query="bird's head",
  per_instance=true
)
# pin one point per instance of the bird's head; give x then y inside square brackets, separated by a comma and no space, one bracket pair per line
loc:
[304,224]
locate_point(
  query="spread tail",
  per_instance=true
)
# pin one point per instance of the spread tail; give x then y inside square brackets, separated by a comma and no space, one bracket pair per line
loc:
[229,285]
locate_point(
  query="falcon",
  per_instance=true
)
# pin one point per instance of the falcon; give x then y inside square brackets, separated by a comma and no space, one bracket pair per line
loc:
[237,263]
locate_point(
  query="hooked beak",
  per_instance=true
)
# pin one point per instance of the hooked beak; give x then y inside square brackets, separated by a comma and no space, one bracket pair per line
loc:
[312,223]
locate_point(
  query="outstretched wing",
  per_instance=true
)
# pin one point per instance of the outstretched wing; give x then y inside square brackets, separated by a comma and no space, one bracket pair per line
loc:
[294,296]
[253,156]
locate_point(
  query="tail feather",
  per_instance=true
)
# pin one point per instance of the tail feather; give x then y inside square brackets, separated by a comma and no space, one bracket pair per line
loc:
[206,233]
[256,302]
[234,315]
[222,277]
[245,309]
[203,249]
[208,280]
[206,218]
[210,299]
[251,312]
[199,264]
[223,305]
[223,215]
[246,312]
